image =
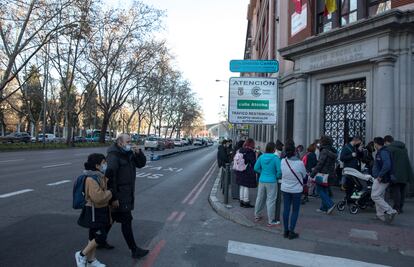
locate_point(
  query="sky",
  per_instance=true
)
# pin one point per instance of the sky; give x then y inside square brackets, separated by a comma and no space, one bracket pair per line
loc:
[203,36]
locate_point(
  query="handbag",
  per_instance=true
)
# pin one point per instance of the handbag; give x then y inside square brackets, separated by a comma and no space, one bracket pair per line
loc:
[294,173]
[321,179]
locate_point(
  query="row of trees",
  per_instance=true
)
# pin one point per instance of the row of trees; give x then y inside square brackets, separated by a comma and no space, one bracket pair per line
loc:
[72,64]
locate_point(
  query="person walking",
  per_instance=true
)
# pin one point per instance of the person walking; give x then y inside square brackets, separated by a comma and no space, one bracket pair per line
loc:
[123,159]
[351,156]
[324,169]
[382,172]
[247,179]
[293,172]
[402,170]
[268,166]
[95,214]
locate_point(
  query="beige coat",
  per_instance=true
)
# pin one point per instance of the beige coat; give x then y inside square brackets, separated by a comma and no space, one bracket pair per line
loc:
[97,194]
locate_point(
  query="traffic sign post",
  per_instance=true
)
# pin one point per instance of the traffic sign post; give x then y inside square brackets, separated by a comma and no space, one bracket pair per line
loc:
[259,66]
[252,100]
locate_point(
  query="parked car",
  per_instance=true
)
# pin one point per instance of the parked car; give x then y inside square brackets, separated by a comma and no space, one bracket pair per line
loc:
[48,138]
[178,142]
[198,142]
[16,138]
[80,139]
[185,141]
[154,143]
[169,143]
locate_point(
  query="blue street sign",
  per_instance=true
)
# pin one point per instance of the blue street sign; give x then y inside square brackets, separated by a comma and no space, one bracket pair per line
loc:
[262,66]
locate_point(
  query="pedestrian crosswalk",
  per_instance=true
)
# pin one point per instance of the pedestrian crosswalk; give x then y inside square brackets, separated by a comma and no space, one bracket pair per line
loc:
[296,258]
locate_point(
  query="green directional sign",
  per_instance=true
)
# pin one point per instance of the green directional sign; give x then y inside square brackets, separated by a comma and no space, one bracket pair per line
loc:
[260,66]
[253,104]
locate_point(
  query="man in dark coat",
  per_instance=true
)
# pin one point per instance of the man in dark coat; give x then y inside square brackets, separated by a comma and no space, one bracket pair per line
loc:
[351,156]
[222,155]
[402,170]
[123,159]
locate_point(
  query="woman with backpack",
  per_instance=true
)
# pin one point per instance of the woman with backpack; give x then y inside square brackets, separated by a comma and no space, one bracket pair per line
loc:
[324,169]
[268,166]
[243,166]
[293,172]
[95,214]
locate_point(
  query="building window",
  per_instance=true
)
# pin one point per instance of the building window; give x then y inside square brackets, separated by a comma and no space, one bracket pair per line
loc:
[349,11]
[324,22]
[376,7]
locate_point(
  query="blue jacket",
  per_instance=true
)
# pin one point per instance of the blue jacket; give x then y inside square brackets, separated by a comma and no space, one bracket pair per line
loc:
[383,165]
[268,165]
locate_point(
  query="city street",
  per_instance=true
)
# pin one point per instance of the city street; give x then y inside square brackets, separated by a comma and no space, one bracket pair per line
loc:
[172,218]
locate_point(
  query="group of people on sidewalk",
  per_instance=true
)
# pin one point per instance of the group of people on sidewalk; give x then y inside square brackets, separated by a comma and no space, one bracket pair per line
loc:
[288,171]
[109,188]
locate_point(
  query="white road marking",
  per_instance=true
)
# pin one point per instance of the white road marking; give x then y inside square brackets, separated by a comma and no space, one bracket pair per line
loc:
[10,160]
[58,183]
[16,193]
[364,234]
[292,257]
[56,165]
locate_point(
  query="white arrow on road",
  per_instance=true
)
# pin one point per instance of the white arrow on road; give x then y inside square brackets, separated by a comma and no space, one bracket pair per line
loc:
[292,257]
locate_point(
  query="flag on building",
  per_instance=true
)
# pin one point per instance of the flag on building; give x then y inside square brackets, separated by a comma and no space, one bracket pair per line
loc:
[298,6]
[330,7]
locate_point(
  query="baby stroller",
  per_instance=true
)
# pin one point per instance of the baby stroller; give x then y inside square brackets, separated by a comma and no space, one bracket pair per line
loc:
[361,195]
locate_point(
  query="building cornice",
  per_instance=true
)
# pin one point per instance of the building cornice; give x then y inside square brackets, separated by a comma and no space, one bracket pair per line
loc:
[393,19]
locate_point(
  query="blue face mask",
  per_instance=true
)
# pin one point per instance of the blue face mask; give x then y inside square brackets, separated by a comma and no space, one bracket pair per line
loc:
[127,148]
[103,168]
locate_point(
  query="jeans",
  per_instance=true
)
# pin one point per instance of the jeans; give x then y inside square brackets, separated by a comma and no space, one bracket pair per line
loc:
[266,193]
[327,202]
[244,194]
[290,200]
[377,195]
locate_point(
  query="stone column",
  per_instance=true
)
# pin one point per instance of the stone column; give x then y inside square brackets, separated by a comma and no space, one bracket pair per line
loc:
[299,124]
[383,94]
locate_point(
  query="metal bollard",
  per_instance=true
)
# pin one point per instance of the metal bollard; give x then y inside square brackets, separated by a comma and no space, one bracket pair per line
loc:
[226,184]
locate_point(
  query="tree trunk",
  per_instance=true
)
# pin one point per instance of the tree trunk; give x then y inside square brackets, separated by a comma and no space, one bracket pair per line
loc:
[105,124]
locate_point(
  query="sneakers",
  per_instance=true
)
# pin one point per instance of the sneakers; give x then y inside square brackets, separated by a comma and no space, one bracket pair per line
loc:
[273,223]
[286,234]
[139,253]
[246,204]
[331,209]
[80,261]
[389,217]
[95,263]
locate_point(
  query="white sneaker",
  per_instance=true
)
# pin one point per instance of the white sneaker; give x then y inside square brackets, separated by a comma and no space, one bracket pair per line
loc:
[95,263]
[80,261]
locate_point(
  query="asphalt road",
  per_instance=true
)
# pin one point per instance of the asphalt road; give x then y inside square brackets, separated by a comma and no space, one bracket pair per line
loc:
[172,218]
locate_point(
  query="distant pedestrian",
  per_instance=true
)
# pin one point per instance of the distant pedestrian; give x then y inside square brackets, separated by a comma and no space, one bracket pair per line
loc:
[324,169]
[293,172]
[222,154]
[235,189]
[268,166]
[382,172]
[402,170]
[280,154]
[123,159]
[95,214]
[300,151]
[247,179]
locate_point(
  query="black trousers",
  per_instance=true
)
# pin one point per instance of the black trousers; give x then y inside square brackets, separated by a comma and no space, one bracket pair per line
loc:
[398,195]
[99,234]
[125,219]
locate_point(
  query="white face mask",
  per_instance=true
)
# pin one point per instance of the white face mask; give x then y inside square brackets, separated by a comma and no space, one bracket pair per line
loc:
[127,147]
[103,168]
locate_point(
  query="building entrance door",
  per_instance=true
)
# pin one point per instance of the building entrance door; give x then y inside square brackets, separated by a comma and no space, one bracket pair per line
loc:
[345,110]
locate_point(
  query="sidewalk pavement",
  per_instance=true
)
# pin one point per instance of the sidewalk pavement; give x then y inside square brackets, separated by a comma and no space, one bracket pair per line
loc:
[339,228]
